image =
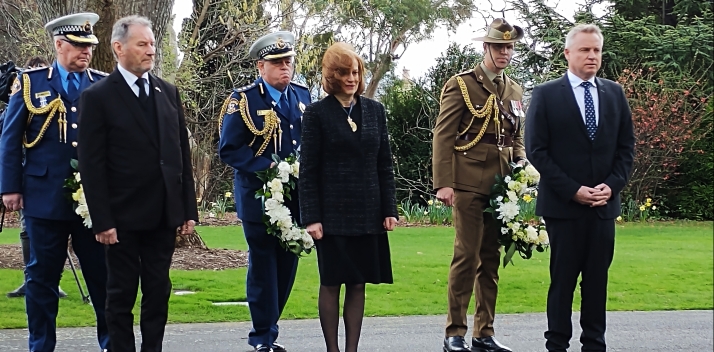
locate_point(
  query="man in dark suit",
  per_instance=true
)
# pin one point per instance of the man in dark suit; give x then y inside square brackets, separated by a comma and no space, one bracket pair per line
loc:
[579,136]
[257,121]
[136,170]
[41,127]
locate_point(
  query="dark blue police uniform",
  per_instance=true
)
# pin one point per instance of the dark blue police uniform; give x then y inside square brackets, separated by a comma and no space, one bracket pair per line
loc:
[247,145]
[42,118]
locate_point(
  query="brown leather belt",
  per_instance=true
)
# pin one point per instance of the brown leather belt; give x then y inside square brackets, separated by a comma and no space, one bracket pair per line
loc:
[507,141]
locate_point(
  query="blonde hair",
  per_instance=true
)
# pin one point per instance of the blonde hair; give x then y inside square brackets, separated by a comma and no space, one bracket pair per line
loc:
[583,28]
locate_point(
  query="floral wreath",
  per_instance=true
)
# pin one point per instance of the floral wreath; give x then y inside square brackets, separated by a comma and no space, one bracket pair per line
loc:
[512,203]
[79,201]
[278,182]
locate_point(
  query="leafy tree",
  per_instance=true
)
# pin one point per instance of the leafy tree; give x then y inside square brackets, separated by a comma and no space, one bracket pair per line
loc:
[412,108]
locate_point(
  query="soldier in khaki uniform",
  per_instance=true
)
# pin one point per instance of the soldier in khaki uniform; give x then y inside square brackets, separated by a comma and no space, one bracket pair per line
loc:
[478,132]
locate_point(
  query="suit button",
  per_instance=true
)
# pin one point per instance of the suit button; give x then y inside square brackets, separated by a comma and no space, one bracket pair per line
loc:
[161,162]
[74,144]
[291,127]
[294,142]
[74,109]
[74,125]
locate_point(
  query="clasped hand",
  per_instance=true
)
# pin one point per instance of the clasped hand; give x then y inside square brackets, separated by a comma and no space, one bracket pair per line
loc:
[593,197]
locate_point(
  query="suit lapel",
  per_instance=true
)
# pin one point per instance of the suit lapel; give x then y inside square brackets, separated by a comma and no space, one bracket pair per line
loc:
[56,83]
[600,108]
[568,94]
[161,99]
[509,88]
[485,82]
[131,101]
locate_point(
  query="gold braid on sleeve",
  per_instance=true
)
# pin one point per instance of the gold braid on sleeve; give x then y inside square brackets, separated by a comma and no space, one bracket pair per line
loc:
[485,112]
[54,107]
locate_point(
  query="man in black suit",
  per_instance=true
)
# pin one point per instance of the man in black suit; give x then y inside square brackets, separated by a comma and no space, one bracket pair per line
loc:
[579,136]
[135,164]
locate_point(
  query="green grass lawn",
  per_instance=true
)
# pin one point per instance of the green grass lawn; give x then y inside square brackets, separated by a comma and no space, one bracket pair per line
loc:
[663,266]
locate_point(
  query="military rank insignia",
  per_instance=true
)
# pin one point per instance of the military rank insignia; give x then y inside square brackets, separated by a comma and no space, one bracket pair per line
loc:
[15,86]
[42,97]
[232,106]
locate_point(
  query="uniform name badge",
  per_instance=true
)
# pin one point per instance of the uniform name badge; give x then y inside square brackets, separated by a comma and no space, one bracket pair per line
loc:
[263,112]
[42,96]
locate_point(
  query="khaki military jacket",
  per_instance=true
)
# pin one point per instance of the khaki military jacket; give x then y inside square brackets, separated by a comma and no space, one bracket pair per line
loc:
[460,164]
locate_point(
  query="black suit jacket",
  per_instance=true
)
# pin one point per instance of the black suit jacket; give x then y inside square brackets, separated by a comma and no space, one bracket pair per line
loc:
[346,182]
[132,181]
[557,144]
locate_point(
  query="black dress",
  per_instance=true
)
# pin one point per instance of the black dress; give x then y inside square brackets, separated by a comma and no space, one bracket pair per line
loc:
[354,258]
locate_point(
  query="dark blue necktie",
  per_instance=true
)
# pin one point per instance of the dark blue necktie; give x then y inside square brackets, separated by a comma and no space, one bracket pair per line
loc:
[284,106]
[590,123]
[71,86]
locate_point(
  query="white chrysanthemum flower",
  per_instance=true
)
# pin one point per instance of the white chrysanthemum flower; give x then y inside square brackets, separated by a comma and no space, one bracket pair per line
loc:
[271,204]
[275,186]
[284,170]
[512,196]
[295,169]
[504,230]
[509,210]
[507,179]
[499,199]
[277,196]
[543,237]
[532,173]
[531,234]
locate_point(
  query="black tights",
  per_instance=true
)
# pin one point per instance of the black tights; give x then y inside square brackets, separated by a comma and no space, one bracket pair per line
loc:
[353,312]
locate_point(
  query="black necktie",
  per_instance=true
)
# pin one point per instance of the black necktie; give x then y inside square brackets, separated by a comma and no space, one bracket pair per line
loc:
[141,83]
[71,87]
[500,86]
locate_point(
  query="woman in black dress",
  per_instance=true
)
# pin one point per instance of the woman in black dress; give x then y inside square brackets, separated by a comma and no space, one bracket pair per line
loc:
[347,192]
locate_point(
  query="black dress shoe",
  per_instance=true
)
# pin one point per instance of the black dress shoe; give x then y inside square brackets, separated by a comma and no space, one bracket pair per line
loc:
[455,344]
[278,348]
[18,292]
[487,344]
[263,348]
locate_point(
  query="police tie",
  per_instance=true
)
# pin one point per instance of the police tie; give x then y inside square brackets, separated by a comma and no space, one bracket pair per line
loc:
[141,83]
[284,106]
[590,123]
[71,86]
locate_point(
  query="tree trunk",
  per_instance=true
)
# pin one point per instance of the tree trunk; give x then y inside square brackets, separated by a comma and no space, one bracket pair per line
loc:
[158,11]
[187,241]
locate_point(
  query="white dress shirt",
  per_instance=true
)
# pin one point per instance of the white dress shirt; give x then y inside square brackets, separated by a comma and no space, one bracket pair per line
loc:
[131,80]
[579,92]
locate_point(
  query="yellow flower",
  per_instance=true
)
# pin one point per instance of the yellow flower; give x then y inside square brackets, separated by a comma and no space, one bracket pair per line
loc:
[649,200]
[431,202]
[619,218]
[198,200]
[229,194]
[642,208]
[527,198]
